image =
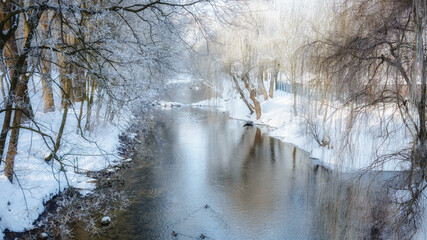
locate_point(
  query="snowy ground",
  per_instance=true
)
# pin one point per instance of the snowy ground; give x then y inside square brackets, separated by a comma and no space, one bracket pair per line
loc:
[37,181]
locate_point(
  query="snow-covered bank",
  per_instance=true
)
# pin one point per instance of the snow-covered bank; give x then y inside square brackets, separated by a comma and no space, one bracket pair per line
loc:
[364,146]
[37,181]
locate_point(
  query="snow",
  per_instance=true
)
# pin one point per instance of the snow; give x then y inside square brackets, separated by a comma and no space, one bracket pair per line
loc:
[37,181]
[44,235]
[105,220]
[180,79]
[169,105]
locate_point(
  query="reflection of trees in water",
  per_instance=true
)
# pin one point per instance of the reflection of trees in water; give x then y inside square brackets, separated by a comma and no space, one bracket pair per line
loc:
[272,179]
[337,208]
[294,152]
[345,207]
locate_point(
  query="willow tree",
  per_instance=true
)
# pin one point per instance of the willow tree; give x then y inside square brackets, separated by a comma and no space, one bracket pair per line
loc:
[379,61]
[239,62]
[247,55]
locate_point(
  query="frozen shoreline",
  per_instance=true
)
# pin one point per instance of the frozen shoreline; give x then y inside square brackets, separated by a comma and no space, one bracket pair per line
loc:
[36,181]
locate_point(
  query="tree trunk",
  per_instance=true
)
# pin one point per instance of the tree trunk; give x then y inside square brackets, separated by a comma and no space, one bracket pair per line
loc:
[79,85]
[26,108]
[242,95]
[48,102]
[14,136]
[273,82]
[13,146]
[261,86]
[11,55]
[294,91]
[252,95]
[59,136]
[422,100]
[421,148]
[67,68]
[91,90]
[79,120]
[3,90]
[65,80]
[256,104]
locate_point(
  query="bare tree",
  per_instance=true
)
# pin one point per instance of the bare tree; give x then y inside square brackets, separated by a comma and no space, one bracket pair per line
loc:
[92,52]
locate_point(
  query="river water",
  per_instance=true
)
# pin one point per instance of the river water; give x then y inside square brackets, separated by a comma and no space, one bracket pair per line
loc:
[198,172]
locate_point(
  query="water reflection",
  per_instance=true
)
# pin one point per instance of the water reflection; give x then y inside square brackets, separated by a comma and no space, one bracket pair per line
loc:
[256,187]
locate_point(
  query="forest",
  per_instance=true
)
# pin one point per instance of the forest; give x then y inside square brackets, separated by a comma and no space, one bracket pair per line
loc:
[82,81]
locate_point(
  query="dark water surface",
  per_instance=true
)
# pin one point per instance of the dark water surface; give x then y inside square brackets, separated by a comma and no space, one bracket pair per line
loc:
[254,186]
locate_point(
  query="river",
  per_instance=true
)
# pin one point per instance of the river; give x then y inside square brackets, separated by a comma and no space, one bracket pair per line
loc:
[199,172]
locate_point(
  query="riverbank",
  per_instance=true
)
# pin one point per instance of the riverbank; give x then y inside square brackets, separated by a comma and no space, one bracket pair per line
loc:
[69,212]
[37,181]
[326,140]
